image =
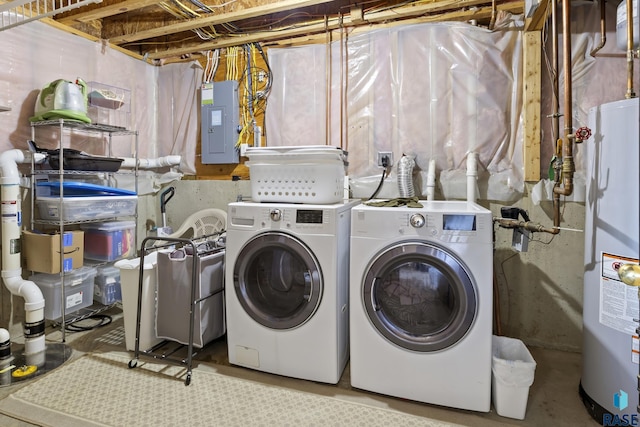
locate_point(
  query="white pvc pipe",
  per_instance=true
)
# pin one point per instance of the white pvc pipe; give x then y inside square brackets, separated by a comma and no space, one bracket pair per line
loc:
[431,179]
[472,176]
[159,162]
[11,214]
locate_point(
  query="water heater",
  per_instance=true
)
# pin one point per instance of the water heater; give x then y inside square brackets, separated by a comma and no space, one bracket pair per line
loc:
[609,383]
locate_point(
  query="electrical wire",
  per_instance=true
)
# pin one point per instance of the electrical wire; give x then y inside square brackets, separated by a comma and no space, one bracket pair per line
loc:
[102,320]
[375,193]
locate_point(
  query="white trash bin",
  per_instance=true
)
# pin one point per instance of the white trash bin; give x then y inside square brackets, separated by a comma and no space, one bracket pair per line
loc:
[513,370]
[129,283]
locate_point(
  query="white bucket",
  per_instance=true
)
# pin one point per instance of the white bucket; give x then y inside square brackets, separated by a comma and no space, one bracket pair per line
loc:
[513,370]
[129,282]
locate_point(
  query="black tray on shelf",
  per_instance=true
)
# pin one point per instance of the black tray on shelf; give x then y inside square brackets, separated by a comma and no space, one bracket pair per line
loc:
[77,160]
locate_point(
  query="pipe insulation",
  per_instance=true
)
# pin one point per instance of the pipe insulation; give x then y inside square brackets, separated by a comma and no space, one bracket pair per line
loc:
[10,205]
[431,180]
[472,176]
[159,162]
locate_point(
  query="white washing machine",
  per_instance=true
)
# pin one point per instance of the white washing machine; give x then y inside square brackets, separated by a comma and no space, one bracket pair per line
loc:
[287,273]
[421,302]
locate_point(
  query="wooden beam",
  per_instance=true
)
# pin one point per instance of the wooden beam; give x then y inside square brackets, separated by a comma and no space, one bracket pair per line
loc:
[216,19]
[71,30]
[106,11]
[536,21]
[458,7]
[330,25]
[532,47]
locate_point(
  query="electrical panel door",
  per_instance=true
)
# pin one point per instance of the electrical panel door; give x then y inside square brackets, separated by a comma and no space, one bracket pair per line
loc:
[220,122]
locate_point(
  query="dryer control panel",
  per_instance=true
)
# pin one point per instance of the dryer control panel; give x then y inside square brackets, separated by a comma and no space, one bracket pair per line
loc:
[447,221]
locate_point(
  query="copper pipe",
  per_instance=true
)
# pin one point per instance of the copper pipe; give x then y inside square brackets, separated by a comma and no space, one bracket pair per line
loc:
[527,225]
[554,58]
[556,108]
[630,93]
[603,29]
[568,166]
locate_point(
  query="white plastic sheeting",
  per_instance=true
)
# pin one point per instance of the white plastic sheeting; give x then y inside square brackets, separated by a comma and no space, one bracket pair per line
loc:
[164,105]
[178,105]
[36,54]
[434,91]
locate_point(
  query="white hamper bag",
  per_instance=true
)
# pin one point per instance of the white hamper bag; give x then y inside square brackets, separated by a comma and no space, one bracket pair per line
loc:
[173,299]
[513,370]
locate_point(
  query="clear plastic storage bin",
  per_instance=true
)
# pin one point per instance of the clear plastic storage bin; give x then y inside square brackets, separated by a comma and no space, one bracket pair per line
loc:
[107,288]
[86,208]
[78,291]
[109,105]
[109,241]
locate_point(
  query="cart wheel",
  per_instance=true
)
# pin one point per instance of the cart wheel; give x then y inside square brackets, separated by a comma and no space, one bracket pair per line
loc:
[133,363]
[187,381]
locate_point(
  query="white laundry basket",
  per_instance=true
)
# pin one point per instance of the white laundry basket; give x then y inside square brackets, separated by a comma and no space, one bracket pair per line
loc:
[297,174]
[129,283]
[513,370]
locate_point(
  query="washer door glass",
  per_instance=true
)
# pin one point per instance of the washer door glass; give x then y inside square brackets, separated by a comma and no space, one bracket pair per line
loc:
[277,280]
[419,296]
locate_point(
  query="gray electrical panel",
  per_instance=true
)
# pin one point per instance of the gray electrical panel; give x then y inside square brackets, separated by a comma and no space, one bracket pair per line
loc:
[220,122]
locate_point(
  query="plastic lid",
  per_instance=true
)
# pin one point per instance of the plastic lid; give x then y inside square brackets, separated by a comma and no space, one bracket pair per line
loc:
[109,226]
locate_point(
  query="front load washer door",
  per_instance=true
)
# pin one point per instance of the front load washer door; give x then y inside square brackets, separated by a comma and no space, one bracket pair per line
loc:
[278,280]
[419,296]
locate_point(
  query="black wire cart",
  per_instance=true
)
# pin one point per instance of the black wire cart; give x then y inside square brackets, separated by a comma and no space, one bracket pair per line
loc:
[193,247]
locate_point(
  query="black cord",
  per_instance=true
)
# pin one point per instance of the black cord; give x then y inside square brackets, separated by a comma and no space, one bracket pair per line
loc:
[375,193]
[385,165]
[103,320]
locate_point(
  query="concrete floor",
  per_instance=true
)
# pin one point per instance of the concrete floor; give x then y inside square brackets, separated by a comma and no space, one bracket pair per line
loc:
[553,398]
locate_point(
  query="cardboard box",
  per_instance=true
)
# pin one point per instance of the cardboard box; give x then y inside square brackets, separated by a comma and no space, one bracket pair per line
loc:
[42,251]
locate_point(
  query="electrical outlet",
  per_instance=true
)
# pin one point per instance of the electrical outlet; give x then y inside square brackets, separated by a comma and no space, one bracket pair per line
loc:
[385,155]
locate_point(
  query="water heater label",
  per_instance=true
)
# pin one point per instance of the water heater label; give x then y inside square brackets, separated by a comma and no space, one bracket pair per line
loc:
[618,302]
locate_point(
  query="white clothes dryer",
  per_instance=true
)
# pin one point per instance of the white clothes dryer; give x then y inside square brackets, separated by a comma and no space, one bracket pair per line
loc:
[421,302]
[287,272]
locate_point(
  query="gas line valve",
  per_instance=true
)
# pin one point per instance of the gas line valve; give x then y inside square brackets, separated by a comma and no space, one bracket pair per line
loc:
[582,134]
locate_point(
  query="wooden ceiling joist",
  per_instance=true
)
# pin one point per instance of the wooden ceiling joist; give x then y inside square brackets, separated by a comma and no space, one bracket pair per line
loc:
[334,24]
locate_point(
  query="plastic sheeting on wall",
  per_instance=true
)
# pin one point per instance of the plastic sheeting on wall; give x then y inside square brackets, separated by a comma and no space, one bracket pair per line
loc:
[178,112]
[36,54]
[434,91]
[163,110]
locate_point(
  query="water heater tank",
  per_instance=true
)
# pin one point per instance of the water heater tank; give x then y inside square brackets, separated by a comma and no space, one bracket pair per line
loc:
[609,383]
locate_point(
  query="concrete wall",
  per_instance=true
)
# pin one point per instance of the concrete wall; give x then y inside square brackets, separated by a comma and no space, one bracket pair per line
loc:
[540,290]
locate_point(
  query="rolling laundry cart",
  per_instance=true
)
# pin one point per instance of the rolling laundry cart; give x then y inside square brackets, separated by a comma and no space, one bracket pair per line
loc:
[197,265]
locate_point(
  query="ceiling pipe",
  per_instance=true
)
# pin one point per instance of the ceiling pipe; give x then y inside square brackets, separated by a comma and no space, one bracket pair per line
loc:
[603,29]
[630,20]
[11,250]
